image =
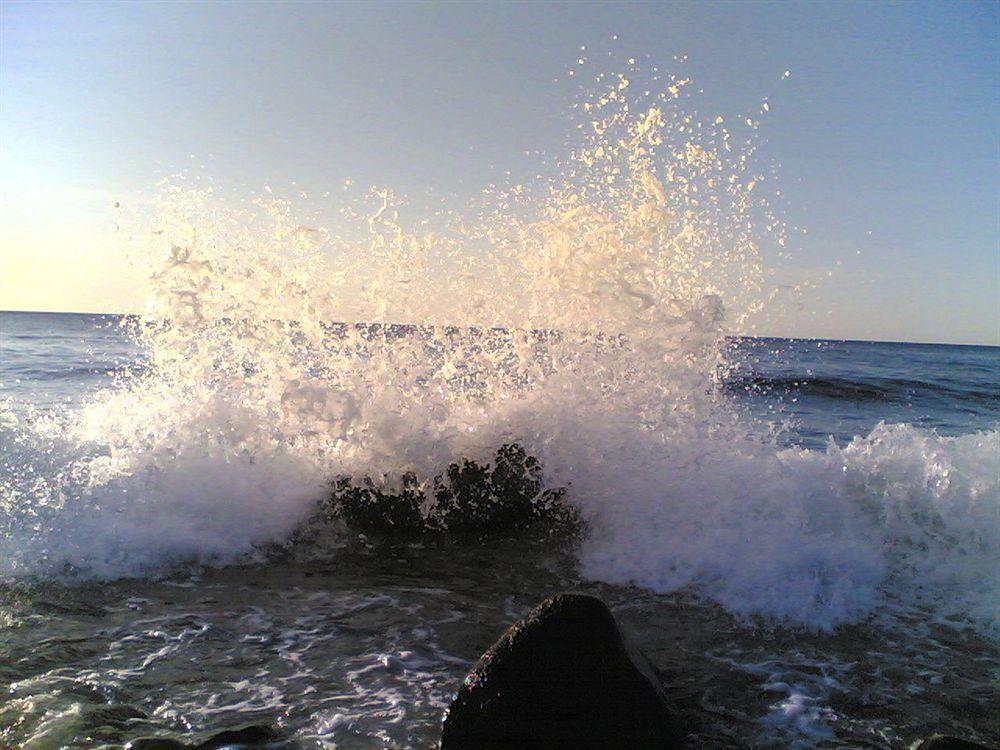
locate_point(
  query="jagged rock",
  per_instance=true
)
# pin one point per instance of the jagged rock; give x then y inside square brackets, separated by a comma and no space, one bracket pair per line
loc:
[469,499]
[247,737]
[944,742]
[561,678]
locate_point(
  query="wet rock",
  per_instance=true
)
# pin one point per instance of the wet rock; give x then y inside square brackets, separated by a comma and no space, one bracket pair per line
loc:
[155,743]
[469,500]
[251,737]
[944,742]
[561,678]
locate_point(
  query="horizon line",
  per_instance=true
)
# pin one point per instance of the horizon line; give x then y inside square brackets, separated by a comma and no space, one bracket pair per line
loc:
[728,335]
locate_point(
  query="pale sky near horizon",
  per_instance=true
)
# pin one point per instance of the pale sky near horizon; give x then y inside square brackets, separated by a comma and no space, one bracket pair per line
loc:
[885,134]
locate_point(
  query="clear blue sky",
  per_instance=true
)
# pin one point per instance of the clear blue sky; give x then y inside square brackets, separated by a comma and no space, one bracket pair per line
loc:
[886,133]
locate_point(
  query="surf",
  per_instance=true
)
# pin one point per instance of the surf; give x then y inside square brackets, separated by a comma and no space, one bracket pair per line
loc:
[582,315]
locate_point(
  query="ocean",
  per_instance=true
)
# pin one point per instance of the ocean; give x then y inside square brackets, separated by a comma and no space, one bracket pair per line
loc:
[235,509]
[824,576]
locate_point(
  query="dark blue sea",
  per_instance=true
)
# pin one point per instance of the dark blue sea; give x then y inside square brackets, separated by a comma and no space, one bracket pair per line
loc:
[841,389]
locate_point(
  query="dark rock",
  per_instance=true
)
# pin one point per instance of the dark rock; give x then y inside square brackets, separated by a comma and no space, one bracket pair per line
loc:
[944,742]
[247,737]
[155,743]
[561,678]
[469,499]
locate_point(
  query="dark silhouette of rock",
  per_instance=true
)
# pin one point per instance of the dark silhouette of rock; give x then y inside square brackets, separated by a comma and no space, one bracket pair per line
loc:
[562,678]
[247,737]
[944,742]
[469,499]
[155,743]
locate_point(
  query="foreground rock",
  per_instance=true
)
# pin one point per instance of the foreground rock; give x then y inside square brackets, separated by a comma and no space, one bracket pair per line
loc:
[943,742]
[254,737]
[561,678]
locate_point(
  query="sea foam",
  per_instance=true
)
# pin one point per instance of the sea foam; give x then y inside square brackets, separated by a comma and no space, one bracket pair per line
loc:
[581,316]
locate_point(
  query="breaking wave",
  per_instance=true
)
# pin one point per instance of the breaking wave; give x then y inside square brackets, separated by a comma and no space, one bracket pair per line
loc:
[901,390]
[582,316]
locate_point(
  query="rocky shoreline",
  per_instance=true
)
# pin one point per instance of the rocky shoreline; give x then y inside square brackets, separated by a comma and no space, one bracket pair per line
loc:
[562,678]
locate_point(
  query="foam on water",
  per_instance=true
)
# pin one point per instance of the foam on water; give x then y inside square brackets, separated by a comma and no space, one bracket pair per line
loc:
[815,537]
[581,316]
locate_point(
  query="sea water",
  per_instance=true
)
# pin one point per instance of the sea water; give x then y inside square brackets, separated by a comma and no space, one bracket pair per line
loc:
[802,535]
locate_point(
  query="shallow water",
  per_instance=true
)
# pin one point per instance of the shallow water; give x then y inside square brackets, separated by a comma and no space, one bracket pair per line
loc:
[365,649]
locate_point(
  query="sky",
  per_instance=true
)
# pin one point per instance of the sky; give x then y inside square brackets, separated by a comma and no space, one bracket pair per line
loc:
[885,134]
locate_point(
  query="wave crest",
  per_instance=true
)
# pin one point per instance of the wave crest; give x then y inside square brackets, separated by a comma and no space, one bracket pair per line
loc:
[581,317]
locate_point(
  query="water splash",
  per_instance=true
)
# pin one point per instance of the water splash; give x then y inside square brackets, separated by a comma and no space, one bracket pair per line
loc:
[581,316]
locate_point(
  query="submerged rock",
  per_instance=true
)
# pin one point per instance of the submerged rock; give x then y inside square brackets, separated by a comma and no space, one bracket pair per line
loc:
[944,742]
[561,678]
[252,737]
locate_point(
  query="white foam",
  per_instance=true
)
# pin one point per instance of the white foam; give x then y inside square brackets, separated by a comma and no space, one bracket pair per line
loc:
[637,252]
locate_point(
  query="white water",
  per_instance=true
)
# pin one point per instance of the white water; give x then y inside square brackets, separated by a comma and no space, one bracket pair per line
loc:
[651,230]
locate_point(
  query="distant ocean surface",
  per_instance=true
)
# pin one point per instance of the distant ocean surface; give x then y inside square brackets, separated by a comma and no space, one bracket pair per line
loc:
[820,388]
[361,646]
